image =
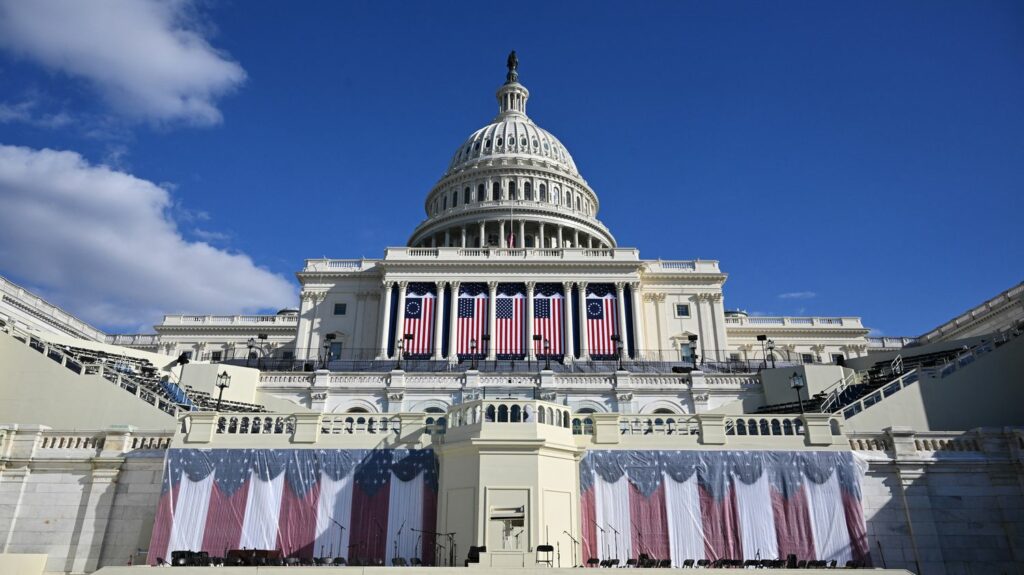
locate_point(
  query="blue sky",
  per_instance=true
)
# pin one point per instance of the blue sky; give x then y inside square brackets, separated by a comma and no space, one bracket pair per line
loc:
[861,158]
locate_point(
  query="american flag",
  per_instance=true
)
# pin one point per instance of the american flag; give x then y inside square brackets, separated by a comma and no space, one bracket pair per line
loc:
[602,321]
[420,303]
[548,310]
[472,319]
[509,311]
[352,503]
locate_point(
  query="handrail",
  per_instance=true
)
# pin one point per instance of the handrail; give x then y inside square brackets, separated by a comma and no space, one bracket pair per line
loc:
[836,390]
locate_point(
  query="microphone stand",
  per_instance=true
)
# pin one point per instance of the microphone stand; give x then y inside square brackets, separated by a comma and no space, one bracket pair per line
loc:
[616,540]
[437,557]
[451,548]
[603,532]
[398,536]
[574,544]
[341,532]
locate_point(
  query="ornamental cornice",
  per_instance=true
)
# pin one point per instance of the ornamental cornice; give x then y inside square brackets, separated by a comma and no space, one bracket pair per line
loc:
[749,331]
[654,296]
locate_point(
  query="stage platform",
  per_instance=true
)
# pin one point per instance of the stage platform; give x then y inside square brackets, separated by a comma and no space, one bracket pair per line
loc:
[145,570]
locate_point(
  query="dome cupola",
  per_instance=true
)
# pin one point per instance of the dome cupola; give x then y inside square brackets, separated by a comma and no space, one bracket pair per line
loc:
[512,184]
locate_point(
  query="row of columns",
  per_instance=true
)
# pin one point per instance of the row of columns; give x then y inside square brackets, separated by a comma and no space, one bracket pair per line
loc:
[541,240]
[568,329]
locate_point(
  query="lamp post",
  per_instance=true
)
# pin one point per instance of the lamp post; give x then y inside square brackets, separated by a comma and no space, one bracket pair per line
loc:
[398,353]
[536,341]
[472,352]
[547,354]
[764,355]
[485,343]
[693,349]
[618,349]
[796,381]
[328,340]
[251,344]
[223,382]
[401,348]
[771,351]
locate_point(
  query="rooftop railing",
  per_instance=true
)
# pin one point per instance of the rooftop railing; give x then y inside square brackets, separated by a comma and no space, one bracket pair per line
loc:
[794,322]
[501,254]
[241,320]
[133,340]
[45,311]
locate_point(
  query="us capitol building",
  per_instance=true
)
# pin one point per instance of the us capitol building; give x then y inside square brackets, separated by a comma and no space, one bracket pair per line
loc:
[511,389]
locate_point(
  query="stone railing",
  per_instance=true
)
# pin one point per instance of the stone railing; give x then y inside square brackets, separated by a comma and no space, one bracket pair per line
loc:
[682,266]
[952,326]
[905,443]
[338,266]
[26,441]
[812,431]
[133,339]
[269,430]
[508,411]
[492,253]
[231,320]
[795,322]
[45,311]
[890,342]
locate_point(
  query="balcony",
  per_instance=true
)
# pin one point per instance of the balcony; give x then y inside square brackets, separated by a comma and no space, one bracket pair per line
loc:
[457,254]
[794,322]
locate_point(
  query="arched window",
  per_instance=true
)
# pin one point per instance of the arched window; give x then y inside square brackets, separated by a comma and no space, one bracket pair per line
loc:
[356,410]
[528,191]
[466,196]
[480,193]
[489,416]
[663,410]
[444,203]
[496,192]
[568,200]
[554,196]
[503,413]
[516,414]
[500,141]
[579,203]
[477,145]
[455,199]
[512,191]
[543,191]
[487,143]
[522,141]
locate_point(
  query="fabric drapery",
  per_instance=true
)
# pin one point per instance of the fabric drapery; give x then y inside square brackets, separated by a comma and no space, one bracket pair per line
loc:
[303,502]
[683,505]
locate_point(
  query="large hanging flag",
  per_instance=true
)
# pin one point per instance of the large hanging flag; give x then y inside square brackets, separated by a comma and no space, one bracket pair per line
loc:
[472,319]
[509,314]
[602,322]
[548,319]
[682,505]
[420,307]
[355,503]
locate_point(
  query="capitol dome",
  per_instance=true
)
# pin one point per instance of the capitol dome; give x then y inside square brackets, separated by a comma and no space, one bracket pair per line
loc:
[512,184]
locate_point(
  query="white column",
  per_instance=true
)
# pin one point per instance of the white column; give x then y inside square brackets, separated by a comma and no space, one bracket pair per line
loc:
[584,348]
[560,244]
[439,313]
[530,351]
[483,234]
[590,241]
[521,242]
[542,244]
[620,306]
[399,329]
[638,311]
[385,319]
[575,238]
[492,289]
[567,316]
[463,236]
[447,238]
[453,324]
[502,241]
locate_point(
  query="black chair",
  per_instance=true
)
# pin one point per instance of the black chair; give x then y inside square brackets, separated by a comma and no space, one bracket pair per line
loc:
[399,562]
[339,562]
[832,564]
[801,564]
[613,563]
[594,562]
[416,562]
[703,563]
[688,564]
[665,563]
[549,550]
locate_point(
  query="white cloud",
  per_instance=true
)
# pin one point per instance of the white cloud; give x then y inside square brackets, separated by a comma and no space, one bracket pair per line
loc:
[148,58]
[797,295]
[102,243]
[25,112]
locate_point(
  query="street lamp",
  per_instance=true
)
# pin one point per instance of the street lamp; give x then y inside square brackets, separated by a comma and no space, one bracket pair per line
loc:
[771,351]
[472,352]
[328,340]
[398,353]
[223,382]
[693,349]
[764,355]
[401,347]
[251,344]
[796,381]
[547,354]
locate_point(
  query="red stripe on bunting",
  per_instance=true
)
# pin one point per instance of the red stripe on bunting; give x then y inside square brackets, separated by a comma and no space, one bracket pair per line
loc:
[297,523]
[650,524]
[224,520]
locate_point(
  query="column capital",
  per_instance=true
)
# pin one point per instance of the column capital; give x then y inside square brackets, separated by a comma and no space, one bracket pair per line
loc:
[440,285]
[455,285]
[530,286]
[567,286]
[620,286]
[583,286]
[635,286]
[492,286]
[403,284]
[387,284]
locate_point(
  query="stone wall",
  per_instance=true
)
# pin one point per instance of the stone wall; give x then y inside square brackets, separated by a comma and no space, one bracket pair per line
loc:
[84,499]
[944,503]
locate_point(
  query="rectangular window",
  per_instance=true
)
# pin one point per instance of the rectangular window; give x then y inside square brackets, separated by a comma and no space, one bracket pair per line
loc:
[335,351]
[807,358]
[838,359]
[216,356]
[735,357]
[682,310]
[340,308]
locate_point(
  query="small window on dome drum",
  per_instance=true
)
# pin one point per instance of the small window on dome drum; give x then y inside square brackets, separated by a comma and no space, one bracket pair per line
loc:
[543,190]
[467,196]
[512,191]
[522,141]
[480,193]
[477,145]
[444,203]
[554,196]
[528,191]
[487,143]
[455,199]
[496,192]
[535,143]
[500,141]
